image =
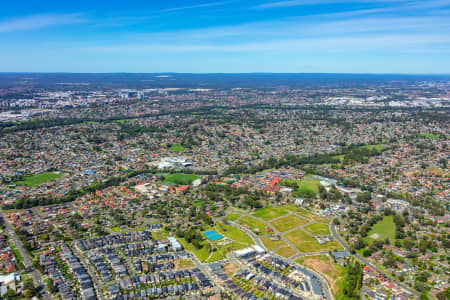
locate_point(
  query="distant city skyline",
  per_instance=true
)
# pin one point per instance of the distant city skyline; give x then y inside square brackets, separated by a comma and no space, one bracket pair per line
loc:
[284,36]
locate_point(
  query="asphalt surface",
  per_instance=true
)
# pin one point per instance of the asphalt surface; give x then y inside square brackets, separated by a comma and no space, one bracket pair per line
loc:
[367,263]
[27,261]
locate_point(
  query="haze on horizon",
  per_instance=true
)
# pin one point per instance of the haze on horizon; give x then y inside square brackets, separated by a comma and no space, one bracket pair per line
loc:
[228,36]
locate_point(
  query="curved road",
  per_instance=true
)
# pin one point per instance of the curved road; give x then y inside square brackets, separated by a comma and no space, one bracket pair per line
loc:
[367,263]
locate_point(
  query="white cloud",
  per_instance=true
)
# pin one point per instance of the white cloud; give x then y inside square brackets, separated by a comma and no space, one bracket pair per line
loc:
[39,21]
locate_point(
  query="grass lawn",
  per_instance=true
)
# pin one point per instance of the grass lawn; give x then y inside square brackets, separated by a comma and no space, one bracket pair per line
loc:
[176,148]
[428,136]
[179,178]
[252,224]
[270,213]
[334,273]
[378,147]
[340,157]
[202,254]
[116,229]
[159,235]
[286,252]
[287,223]
[318,229]
[306,243]
[272,244]
[38,179]
[382,229]
[306,214]
[233,233]
[232,217]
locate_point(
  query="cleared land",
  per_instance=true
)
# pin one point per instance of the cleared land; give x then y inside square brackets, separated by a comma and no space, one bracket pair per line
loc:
[334,274]
[252,224]
[287,223]
[233,233]
[176,148]
[180,178]
[38,179]
[286,252]
[308,185]
[382,230]
[306,243]
[272,244]
[378,147]
[306,214]
[270,213]
[318,229]
[232,217]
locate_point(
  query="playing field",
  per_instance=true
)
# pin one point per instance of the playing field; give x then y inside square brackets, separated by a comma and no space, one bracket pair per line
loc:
[176,148]
[288,222]
[180,178]
[378,147]
[306,243]
[252,224]
[318,229]
[382,230]
[269,244]
[270,213]
[286,252]
[38,179]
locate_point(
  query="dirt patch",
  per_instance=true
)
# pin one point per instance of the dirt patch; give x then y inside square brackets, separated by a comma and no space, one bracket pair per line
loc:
[375,236]
[230,268]
[326,268]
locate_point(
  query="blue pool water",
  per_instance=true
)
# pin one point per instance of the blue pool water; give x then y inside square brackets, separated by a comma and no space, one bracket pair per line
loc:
[212,235]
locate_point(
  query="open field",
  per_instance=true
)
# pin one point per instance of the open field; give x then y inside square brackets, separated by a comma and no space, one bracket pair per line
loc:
[233,233]
[317,229]
[306,214]
[176,148]
[306,243]
[232,217]
[38,179]
[184,264]
[306,185]
[322,264]
[270,213]
[382,230]
[287,223]
[378,147]
[115,229]
[272,244]
[202,254]
[286,252]
[180,178]
[252,224]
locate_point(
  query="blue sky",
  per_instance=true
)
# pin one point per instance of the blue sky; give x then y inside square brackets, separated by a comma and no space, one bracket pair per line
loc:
[197,36]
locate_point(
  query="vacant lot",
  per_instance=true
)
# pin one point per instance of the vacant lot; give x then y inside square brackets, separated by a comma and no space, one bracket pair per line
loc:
[287,223]
[318,229]
[180,178]
[334,273]
[38,179]
[232,217]
[272,244]
[306,243]
[270,213]
[286,252]
[233,233]
[252,224]
[382,230]
[306,214]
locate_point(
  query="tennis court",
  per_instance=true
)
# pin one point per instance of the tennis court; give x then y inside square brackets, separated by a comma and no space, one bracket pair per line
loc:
[212,235]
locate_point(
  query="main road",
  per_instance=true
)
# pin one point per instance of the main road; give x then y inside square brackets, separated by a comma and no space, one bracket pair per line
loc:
[367,263]
[27,261]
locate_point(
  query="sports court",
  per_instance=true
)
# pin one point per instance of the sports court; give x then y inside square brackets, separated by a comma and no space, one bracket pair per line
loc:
[212,235]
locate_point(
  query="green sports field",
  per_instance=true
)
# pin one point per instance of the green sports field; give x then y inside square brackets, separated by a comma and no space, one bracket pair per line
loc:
[176,148]
[180,178]
[38,179]
[382,230]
